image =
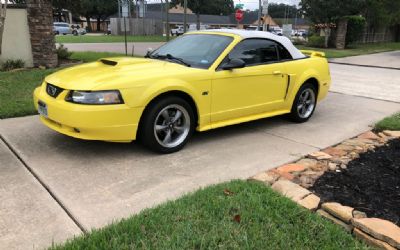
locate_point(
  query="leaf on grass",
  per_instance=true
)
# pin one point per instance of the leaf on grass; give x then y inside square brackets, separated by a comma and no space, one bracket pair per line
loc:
[237,218]
[227,192]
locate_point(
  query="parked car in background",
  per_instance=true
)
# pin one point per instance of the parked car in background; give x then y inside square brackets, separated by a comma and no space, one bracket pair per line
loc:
[77,30]
[199,81]
[60,28]
[177,31]
[193,27]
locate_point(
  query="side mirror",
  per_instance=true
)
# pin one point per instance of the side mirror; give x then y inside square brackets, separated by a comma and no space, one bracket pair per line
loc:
[148,53]
[234,64]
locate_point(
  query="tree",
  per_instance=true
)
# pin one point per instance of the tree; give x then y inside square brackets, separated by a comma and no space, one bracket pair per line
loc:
[99,9]
[208,7]
[282,10]
[60,5]
[328,11]
[3,13]
[104,9]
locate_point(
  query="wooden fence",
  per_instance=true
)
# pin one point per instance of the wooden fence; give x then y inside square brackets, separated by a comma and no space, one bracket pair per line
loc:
[136,26]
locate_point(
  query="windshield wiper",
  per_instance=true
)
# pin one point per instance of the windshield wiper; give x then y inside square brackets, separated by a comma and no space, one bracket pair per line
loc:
[170,57]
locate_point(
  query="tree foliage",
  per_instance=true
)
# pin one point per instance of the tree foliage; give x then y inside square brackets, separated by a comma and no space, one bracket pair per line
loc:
[355,28]
[283,10]
[210,7]
[326,11]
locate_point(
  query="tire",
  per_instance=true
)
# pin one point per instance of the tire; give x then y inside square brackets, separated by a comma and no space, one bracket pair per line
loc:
[304,104]
[75,33]
[159,132]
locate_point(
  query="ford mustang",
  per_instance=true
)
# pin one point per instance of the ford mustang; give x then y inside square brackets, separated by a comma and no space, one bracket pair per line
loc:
[199,81]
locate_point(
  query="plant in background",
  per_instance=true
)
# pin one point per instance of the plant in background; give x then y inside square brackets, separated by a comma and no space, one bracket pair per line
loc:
[316,41]
[355,28]
[63,53]
[11,64]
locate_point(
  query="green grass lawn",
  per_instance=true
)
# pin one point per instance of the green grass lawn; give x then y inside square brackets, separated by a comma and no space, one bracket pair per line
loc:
[206,220]
[16,88]
[389,123]
[356,50]
[108,39]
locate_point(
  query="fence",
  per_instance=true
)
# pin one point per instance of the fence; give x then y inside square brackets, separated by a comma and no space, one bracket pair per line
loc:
[136,26]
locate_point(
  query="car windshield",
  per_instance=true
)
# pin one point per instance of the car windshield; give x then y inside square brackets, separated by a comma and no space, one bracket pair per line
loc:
[194,50]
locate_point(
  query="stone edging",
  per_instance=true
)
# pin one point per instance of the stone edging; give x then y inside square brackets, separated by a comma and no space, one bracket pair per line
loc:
[292,181]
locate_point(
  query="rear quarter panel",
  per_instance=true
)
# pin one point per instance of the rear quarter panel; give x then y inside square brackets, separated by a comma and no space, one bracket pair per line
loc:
[302,70]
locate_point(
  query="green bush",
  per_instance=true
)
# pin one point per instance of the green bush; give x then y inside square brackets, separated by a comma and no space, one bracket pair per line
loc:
[316,41]
[355,28]
[63,52]
[11,64]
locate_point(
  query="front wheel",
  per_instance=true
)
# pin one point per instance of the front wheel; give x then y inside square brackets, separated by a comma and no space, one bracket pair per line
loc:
[304,104]
[167,125]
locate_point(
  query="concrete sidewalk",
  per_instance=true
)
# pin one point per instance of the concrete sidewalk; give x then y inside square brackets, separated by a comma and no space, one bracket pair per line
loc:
[100,182]
[386,59]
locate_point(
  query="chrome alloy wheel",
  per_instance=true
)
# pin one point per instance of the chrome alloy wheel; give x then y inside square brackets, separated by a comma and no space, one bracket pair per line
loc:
[172,126]
[306,103]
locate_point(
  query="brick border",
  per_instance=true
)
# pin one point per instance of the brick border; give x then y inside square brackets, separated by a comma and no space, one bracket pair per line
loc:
[292,181]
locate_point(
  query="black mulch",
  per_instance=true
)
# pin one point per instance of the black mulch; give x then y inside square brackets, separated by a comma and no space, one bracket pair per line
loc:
[370,184]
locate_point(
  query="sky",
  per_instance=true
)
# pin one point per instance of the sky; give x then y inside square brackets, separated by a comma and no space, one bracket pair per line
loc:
[253,4]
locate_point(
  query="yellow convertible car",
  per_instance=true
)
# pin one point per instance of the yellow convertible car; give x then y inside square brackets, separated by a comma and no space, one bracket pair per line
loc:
[199,81]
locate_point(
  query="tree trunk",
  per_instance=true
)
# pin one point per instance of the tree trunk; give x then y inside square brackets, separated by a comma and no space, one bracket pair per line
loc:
[341,33]
[60,15]
[98,24]
[198,21]
[89,25]
[3,10]
[327,32]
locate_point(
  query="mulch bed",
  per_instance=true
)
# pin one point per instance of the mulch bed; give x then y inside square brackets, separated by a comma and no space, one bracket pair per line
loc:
[371,183]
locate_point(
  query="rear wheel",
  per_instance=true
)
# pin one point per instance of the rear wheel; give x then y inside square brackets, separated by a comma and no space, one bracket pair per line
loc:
[167,125]
[304,104]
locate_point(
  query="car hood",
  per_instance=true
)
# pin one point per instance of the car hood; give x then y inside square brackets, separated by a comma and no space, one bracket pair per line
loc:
[121,72]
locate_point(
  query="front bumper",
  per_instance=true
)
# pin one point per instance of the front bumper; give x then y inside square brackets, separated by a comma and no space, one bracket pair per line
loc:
[90,122]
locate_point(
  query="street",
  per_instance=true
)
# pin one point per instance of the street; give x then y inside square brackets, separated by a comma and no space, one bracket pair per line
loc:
[53,186]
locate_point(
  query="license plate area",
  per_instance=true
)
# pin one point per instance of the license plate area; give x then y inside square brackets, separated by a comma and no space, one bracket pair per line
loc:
[42,109]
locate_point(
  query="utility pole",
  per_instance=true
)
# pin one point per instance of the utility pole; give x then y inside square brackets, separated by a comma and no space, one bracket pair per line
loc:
[184,16]
[167,19]
[259,15]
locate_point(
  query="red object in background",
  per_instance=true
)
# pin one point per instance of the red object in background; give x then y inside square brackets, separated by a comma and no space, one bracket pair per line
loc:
[239,15]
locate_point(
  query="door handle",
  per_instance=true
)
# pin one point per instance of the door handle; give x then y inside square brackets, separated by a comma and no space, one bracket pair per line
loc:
[277,73]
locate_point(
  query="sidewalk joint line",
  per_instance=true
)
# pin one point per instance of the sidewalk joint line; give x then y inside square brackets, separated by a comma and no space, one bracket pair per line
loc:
[44,185]
[302,143]
[366,97]
[363,65]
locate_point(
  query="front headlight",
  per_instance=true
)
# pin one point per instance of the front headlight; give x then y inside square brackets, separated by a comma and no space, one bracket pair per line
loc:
[95,97]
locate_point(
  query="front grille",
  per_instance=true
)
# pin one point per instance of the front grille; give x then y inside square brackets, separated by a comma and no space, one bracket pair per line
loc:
[52,90]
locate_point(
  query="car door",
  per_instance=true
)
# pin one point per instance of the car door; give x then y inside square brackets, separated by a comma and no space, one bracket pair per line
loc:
[257,88]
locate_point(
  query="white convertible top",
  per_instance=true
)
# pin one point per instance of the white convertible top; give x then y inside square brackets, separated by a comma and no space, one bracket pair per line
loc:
[296,54]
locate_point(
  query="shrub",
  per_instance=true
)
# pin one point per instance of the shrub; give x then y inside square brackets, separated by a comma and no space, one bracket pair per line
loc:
[63,52]
[299,41]
[355,28]
[316,41]
[11,64]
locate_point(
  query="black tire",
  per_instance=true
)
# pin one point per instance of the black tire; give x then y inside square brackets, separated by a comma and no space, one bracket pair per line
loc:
[297,115]
[75,33]
[152,116]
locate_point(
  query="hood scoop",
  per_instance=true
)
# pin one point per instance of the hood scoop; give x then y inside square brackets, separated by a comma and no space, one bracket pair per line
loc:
[108,62]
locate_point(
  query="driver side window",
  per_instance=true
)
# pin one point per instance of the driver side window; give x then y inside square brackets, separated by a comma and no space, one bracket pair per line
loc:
[255,52]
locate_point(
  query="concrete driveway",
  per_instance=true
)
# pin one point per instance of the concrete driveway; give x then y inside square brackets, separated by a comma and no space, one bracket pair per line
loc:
[55,186]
